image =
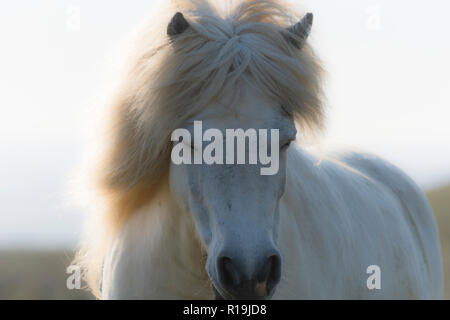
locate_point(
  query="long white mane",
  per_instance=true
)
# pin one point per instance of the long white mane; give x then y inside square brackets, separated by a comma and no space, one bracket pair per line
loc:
[167,82]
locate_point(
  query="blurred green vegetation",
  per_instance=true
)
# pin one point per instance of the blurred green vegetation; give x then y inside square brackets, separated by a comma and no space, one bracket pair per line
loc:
[41,275]
[440,201]
[37,275]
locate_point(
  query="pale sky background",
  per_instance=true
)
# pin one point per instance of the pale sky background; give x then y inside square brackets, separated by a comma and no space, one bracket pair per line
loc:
[388,85]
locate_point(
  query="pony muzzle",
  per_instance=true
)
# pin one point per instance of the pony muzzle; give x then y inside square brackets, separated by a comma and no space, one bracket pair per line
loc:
[235,282]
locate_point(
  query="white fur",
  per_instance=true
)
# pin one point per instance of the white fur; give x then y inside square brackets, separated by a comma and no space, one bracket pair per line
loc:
[336,219]
[162,228]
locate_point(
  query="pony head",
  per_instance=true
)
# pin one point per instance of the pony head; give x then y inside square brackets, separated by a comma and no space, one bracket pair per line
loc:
[245,66]
[253,69]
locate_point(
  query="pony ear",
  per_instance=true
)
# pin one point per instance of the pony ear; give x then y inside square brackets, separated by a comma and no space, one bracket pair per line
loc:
[177,25]
[298,33]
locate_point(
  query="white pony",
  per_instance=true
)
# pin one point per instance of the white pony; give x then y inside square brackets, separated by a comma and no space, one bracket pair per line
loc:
[224,231]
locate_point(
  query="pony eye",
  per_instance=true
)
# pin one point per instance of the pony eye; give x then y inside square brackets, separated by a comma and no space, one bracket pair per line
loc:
[286,145]
[188,144]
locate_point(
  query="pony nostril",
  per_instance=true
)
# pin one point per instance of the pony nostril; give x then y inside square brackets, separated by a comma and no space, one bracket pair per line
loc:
[228,275]
[271,272]
[256,285]
[264,274]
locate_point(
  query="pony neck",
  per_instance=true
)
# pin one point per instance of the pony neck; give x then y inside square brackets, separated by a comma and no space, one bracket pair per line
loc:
[160,246]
